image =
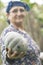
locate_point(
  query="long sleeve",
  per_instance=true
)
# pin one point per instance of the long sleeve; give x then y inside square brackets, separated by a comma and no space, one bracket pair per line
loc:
[3,51]
[32,56]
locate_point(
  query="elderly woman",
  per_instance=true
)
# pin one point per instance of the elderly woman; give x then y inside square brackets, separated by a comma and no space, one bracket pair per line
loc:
[16,12]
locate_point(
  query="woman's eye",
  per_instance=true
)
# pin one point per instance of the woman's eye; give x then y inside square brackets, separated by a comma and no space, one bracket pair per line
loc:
[14,11]
[21,10]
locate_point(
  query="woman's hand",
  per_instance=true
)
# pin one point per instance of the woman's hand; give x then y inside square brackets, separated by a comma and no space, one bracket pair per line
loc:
[14,55]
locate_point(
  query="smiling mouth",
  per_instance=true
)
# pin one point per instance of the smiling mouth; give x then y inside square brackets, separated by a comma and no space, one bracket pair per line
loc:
[20,17]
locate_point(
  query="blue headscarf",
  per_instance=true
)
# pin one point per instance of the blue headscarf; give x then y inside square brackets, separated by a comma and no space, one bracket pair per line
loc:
[17,3]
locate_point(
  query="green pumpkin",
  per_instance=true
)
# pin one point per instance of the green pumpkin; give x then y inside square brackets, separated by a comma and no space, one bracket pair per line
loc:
[16,42]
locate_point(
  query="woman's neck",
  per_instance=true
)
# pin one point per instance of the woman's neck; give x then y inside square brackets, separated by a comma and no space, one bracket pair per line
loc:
[18,26]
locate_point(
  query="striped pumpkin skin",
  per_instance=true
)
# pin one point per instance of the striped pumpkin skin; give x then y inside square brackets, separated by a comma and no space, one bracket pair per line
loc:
[16,42]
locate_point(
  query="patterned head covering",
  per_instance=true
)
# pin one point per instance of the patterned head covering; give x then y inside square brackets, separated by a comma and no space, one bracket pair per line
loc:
[17,3]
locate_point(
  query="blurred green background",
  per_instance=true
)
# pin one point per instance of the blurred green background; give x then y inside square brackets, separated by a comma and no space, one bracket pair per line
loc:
[33,22]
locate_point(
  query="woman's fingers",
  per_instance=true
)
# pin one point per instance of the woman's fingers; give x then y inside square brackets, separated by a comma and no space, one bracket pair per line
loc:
[21,54]
[14,54]
[11,55]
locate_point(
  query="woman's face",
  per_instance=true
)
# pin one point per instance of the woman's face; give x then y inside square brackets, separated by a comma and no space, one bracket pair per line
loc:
[17,14]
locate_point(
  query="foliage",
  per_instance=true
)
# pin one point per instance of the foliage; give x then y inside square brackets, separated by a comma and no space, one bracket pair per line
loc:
[1,5]
[3,23]
[27,1]
[41,31]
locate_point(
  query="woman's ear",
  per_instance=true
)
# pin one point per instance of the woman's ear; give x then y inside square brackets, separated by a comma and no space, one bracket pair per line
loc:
[7,15]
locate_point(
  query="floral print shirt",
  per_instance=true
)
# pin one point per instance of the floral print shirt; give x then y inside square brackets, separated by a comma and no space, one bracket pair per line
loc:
[32,56]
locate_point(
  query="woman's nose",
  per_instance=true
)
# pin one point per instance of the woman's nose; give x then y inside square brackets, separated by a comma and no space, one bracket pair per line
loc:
[18,13]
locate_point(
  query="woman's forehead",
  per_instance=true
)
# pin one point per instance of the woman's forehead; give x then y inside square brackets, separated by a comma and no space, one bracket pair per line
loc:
[17,7]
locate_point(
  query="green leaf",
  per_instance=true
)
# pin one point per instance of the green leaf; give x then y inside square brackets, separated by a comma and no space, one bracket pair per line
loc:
[1,5]
[27,1]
